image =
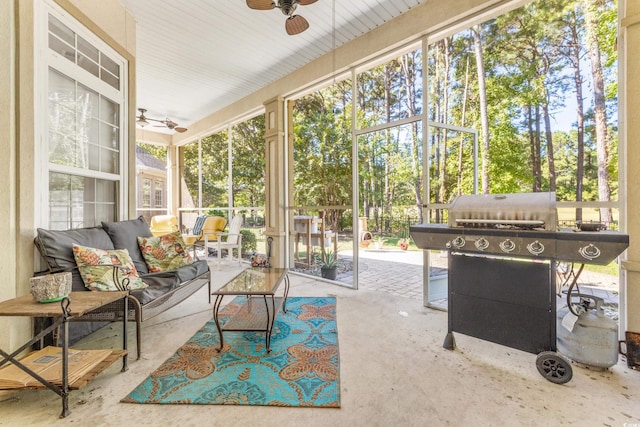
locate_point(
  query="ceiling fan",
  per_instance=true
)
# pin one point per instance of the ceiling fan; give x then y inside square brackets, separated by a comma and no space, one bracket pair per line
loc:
[143,121]
[295,24]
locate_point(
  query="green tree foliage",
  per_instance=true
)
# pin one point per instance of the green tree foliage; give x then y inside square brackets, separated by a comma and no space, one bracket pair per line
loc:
[248,167]
[529,79]
[322,150]
[248,162]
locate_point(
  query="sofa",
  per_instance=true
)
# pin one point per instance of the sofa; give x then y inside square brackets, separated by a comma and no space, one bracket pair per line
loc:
[162,289]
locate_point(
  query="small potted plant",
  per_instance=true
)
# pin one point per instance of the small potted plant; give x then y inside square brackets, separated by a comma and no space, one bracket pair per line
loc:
[403,244]
[378,242]
[328,266]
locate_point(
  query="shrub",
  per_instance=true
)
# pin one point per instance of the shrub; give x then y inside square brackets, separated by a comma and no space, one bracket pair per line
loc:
[249,241]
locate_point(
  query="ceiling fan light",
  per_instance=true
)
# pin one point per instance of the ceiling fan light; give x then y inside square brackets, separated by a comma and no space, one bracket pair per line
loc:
[296,24]
[261,4]
[142,122]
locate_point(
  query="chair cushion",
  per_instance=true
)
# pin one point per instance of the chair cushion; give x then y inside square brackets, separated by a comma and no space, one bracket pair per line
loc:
[197,227]
[124,235]
[163,224]
[166,252]
[96,268]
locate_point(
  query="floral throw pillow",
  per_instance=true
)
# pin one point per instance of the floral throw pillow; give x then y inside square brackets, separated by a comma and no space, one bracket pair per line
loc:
[96,268]
[166,252]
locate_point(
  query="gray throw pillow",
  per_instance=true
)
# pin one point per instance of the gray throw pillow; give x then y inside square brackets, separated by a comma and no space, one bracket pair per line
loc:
[124,235]
[56,247]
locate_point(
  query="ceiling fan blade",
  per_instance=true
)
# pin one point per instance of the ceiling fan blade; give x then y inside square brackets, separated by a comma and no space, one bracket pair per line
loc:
[261,4]
[180,129]
[295,25]
[306,2]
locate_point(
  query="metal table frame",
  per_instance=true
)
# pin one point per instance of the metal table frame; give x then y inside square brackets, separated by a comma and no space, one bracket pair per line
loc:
[61,319]
[254,284]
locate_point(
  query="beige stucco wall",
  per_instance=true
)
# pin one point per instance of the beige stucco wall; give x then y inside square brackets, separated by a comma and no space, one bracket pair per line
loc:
[8,202]
[17,135]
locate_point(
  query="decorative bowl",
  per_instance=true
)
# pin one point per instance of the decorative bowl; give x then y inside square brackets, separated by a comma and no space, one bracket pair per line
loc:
[50,287]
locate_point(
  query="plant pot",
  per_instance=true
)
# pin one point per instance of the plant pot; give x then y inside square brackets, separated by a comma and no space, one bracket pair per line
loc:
[329,273]
[50,287]
[632,349]
[378,245]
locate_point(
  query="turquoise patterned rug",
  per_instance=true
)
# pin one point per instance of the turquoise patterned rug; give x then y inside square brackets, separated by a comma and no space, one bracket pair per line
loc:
[302,368]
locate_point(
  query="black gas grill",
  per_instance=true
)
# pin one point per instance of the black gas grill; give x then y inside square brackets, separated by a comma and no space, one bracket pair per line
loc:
[502,256]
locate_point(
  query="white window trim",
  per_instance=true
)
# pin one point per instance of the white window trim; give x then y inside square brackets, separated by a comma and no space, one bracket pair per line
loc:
[44,58]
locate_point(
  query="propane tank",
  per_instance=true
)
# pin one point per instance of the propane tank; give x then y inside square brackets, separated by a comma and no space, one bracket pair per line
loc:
[585,334]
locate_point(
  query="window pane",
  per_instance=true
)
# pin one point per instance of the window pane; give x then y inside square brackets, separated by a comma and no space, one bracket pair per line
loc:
[159,193]
[109,112]
[391,91]
[146,193]
[322,147]
[72,201]
[110,65]
[108,160]
[88,50]
[94,157]
[248,162]
[188,161]
[110,80]
[88,65]
[105,191]
[62,48]
[151,164]
[60,30]
[215,170]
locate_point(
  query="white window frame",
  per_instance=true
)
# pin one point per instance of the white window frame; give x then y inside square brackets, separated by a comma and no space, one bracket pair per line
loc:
[44,59]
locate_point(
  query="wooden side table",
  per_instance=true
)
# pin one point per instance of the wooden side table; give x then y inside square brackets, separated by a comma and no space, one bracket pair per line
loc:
[75,305]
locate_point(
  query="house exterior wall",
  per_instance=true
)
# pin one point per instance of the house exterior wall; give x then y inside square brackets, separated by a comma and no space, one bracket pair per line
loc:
[109,20]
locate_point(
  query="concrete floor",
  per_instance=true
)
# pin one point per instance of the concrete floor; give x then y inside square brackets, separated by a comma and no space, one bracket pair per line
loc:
[394,372]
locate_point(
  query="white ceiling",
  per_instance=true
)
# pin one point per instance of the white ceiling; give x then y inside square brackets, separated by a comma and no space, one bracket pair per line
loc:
[197,56]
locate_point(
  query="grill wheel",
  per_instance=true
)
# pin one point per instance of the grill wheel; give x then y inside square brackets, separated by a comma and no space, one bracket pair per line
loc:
[554,367]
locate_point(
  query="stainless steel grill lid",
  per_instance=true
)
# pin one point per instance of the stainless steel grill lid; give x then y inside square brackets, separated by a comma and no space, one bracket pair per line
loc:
[526,210]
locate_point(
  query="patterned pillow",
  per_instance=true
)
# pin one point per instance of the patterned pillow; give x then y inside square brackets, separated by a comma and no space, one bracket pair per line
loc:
[95,266]
[166,252]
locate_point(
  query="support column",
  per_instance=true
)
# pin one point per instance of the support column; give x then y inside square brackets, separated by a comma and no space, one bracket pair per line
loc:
[275,154]
[630,97]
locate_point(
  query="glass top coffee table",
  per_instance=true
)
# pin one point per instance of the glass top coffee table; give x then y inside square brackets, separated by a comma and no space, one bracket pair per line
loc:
[258,312]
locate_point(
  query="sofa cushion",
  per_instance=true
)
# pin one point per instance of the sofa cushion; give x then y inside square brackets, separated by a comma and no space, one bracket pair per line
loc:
[193,270]
[165,252]
[124,235]
[96,268]
[56,247]
[161,283]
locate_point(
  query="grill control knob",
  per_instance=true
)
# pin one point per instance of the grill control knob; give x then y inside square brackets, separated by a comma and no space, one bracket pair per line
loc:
[507,245]
[482,244]
[589,252]
[535,248]
[458,242]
